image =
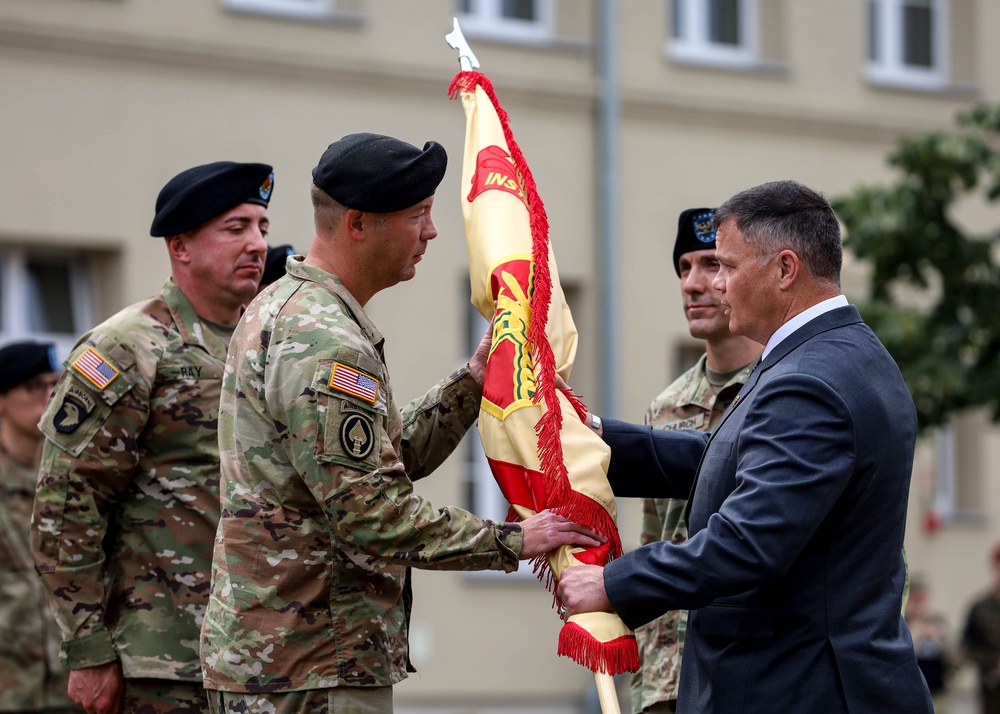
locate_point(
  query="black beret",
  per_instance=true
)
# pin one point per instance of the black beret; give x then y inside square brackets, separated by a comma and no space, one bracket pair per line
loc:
[379,174]
[20,361]
[695,231]
[274,264]
[194,196]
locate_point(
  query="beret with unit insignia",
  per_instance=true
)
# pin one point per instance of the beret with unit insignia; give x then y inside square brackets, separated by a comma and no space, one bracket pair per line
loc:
[20,361]
[198,194]
[695,231]
[379,174]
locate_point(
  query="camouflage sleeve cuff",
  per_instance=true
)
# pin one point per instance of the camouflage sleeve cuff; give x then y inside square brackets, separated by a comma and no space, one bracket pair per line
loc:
[89,651]
[510,540]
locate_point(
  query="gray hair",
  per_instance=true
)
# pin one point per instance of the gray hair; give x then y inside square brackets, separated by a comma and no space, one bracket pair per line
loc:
[788,215]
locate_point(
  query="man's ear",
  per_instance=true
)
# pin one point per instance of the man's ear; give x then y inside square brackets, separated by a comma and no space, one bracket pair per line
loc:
[355,223]
[789,266]
[179,248]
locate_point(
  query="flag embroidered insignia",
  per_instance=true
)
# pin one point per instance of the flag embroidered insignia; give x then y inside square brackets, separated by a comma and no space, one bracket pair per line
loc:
[95,368]
[347,379]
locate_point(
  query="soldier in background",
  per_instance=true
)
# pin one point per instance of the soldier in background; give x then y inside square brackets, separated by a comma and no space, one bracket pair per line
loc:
[127,500]
[310,601]
[696,400]
[31,676]
[274,264]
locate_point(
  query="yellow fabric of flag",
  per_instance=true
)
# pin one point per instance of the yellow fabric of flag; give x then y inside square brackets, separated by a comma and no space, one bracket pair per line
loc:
[541,454]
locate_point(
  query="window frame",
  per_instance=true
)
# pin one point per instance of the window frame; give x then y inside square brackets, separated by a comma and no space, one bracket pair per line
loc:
[694,46]
[888,66]
[299,9]
[14,286]
[486,20]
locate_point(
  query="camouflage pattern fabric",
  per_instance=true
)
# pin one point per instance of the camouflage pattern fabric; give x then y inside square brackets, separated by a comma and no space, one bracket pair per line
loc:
[127,500]
[319,518]
[164,696]
[31,676]
[688,403]
[336,700]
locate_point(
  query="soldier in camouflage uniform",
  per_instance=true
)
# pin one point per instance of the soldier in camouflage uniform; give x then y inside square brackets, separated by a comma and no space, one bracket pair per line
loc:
[31,677]
[696,400]
[127,500]
[310,599]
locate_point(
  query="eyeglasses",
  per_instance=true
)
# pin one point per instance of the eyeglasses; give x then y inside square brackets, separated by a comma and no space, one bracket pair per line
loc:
[39,387]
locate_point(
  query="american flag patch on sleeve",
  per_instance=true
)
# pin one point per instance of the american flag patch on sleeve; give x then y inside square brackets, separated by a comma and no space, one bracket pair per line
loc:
[349,380]
[95,368]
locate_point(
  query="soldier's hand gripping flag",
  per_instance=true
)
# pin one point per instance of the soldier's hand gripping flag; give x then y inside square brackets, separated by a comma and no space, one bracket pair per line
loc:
[542,455]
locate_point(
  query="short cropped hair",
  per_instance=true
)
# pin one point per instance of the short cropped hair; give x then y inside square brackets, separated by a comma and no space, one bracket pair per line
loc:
[327,212]
[788,215]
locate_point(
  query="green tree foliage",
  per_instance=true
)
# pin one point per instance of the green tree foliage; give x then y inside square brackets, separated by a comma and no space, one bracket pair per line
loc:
[935,288]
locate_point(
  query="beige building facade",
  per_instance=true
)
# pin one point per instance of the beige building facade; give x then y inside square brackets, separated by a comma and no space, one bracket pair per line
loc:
[105,100]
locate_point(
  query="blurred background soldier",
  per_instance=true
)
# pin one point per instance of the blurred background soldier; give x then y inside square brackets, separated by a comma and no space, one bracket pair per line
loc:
[31,676]
[274,263]
[128,492]
[696,400]
[311,596]
[981,639]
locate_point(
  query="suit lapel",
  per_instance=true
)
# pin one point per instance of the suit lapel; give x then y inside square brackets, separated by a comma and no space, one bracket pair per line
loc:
[831,320]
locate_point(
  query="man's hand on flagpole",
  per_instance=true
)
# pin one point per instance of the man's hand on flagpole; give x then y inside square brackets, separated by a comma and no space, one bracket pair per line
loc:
[581,589]
[546,530]
[477,363]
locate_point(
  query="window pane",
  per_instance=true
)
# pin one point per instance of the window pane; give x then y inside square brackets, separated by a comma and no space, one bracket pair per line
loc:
[917,34]
[49,306]
[519,9]
[677,19]
[724,22]
[873,30]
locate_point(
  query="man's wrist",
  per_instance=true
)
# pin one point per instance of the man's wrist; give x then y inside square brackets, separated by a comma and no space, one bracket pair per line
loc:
[595,423]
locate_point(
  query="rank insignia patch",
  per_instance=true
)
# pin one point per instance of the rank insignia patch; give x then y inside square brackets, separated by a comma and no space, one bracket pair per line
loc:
[349,380]
[357,436]
[95,368]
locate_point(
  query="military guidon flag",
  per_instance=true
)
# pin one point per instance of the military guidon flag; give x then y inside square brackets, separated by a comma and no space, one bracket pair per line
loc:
[540,452]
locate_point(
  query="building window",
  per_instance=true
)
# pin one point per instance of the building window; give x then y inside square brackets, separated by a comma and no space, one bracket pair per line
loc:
[959,487]
[44,297]
[517,20]
[720,32]
[306,9]
[907,42]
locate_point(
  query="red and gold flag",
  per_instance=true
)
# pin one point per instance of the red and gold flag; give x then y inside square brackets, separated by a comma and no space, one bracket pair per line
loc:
[541,454]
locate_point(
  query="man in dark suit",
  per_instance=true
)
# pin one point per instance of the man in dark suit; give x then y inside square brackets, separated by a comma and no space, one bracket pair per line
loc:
[793,569]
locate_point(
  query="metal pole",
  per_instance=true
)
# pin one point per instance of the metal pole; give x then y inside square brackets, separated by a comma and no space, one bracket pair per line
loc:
[608,115]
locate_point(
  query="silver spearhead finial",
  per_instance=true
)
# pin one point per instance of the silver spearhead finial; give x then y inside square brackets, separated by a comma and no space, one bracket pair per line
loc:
[466,57]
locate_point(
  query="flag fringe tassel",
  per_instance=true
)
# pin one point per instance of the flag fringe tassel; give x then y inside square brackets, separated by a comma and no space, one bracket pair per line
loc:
[549,425]
[618,656]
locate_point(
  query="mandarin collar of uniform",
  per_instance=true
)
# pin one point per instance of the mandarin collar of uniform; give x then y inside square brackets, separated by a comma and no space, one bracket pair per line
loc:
[691,392]
[297,267]
[191,327]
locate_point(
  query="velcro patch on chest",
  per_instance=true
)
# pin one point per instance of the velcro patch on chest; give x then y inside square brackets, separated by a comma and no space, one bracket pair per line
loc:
[95,368]
[354,382]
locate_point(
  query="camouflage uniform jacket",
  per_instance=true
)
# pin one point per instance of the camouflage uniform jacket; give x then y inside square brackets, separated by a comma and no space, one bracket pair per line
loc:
[127,500]
[31,676]
[319,518]
[688,403]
